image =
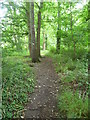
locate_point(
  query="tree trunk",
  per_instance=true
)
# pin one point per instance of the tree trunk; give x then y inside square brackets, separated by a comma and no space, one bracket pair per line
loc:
[33,46]
[14,36]
[58,31]
[28,25]
[44,46]
[46,40]
[38,30]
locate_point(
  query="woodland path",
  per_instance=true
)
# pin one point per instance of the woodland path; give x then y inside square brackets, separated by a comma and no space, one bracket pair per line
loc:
[43,101]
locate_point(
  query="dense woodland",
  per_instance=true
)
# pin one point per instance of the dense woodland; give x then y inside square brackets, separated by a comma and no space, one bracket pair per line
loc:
[32,30]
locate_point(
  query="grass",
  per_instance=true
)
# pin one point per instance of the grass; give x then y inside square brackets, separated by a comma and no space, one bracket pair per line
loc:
[74,106]
[43,52]
[18,83]
[74,85]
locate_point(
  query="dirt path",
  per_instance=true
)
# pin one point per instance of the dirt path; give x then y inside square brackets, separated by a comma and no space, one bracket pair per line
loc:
[43,103]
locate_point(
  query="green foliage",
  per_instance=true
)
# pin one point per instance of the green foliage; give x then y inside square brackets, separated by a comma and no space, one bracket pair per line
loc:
[18,83]
[52,49]
[74,85]
[74,106]
[12,52]
[73,69]
[15,28]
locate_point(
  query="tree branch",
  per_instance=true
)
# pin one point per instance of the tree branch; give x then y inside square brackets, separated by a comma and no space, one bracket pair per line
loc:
[37,5]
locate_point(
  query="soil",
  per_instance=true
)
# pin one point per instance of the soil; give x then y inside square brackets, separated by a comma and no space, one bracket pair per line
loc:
[43,101]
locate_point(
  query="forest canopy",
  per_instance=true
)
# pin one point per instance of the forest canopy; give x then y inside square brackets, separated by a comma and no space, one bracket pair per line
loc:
[70,18]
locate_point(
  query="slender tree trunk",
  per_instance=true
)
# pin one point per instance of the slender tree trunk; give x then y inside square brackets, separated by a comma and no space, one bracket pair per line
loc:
[46,40]
[74,49]
[38,29]
[33,46]
[58,31]
[13,26]
[44,46]
[28,25]
[72,31]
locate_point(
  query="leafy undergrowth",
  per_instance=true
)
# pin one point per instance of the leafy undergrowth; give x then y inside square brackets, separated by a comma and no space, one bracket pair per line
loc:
[18,83]
[74,85]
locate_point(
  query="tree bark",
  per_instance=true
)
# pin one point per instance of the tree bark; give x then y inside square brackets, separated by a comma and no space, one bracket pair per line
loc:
[38,29]
[28,25]
[58,31]
[46,40]
[44,46]
[33,46]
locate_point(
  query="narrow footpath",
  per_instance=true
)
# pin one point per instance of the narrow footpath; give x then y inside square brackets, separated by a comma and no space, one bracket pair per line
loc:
[43,101]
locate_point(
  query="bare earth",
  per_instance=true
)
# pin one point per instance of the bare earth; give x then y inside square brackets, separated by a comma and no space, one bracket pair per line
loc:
[43,102]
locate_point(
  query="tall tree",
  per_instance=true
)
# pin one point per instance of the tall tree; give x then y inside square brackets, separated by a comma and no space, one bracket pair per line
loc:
[28,24]
[46,41]
[38,29]
[58,31]
[33,45]
[44,46]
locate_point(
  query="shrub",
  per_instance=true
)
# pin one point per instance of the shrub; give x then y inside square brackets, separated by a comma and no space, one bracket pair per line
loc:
[53,50]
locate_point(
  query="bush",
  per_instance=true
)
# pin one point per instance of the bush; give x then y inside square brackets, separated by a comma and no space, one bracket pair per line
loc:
[53,50]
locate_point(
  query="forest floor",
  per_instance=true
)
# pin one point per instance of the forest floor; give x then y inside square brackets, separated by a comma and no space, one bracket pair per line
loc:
[43,101]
